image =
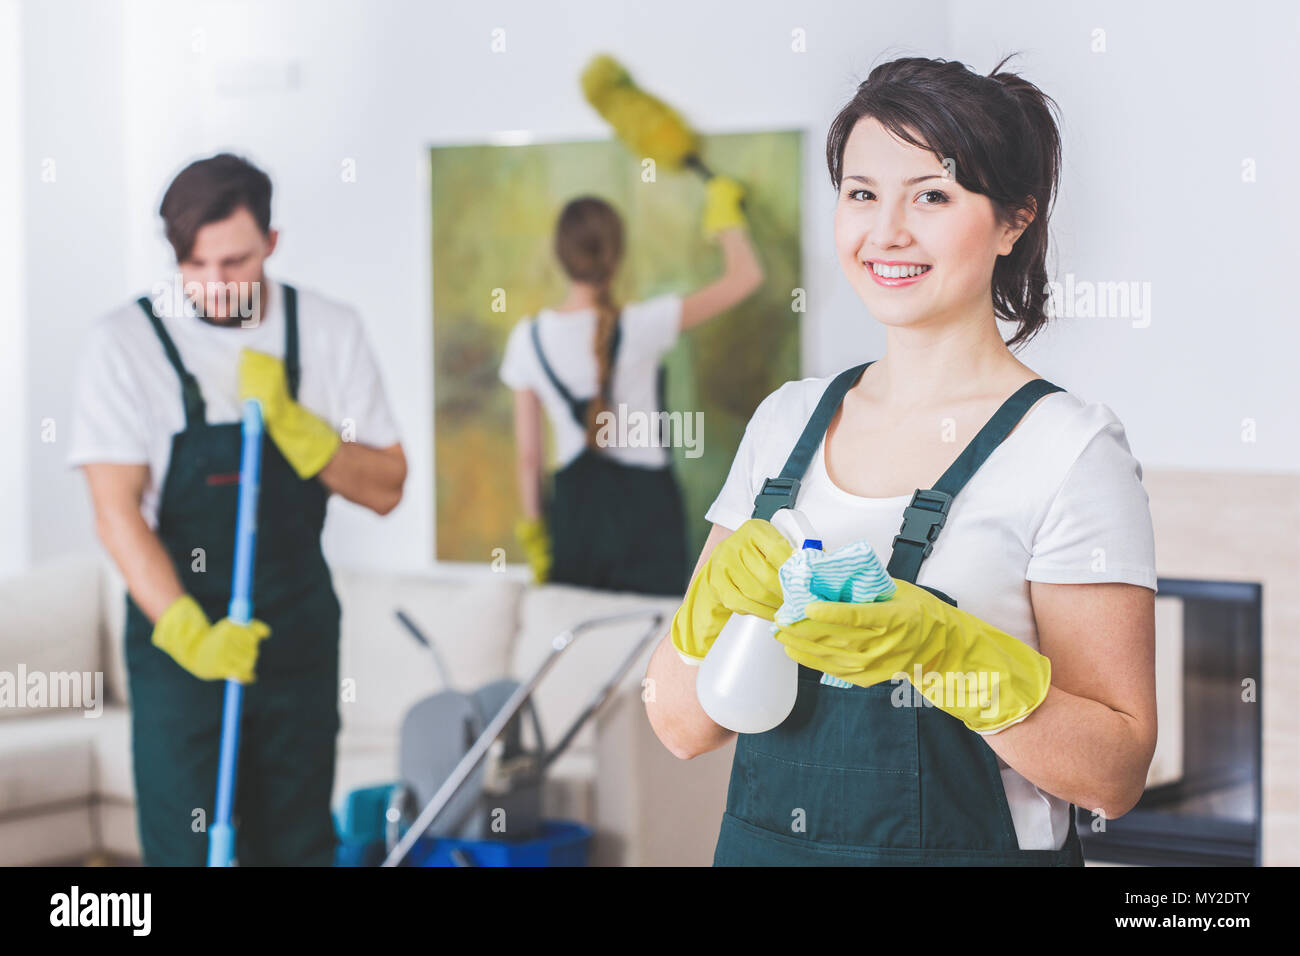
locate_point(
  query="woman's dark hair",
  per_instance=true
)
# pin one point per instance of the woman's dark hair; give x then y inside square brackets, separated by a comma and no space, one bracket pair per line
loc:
[589,245]
[1000,133]
[210,190]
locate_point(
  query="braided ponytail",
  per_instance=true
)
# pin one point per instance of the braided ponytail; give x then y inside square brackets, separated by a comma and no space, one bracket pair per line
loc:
[589,245]
[606,320]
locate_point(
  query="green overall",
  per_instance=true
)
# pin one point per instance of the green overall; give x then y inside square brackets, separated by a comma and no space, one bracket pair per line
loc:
[614,526]
[290,713]
[850,778]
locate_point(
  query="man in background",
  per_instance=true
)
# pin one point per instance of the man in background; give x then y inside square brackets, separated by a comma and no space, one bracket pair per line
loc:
[158,435]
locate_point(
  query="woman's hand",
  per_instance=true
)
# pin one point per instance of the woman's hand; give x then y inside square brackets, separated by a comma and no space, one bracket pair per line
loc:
[722,209]
[741,575]
[532,535]
[865,643]
[964,666]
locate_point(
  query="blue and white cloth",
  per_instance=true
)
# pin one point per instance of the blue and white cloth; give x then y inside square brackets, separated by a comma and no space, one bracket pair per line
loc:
[852,574]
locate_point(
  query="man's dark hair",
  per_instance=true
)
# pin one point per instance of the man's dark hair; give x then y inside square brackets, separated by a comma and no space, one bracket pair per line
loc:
[210,190]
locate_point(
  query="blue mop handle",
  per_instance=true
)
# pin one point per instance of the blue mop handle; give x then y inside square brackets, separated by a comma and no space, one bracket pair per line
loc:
[221,835]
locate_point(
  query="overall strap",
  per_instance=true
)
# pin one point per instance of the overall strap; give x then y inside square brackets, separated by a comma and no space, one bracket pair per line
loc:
[660,406]
[783,491]
[292,367]
[925,515]
[577,406]
[191,395]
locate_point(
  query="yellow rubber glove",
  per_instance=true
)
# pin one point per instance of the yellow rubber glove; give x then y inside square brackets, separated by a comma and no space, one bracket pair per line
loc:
[741,575]
[722,205]
[966,667]
[307,441]
[536,541]
[220,651]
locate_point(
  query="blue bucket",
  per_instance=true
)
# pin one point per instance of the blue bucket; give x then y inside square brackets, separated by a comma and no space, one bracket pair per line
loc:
[561,843]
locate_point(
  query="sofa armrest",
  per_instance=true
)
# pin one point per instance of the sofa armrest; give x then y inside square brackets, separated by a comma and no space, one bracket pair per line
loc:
[653,809]
[52,623]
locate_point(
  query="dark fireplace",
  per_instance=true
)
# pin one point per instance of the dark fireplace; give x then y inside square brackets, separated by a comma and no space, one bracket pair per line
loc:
[1205,811]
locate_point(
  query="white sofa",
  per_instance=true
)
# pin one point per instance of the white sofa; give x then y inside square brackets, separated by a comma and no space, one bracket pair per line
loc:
[66,791]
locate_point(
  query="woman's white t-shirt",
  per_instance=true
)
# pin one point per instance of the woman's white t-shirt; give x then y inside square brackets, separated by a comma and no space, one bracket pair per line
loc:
[649,329]
[128,398]
[1060,500]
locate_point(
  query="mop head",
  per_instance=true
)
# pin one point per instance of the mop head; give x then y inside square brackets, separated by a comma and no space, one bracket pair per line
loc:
[648,126]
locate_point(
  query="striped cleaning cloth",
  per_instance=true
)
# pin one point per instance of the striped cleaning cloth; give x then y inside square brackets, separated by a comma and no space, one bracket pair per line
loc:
[851,574]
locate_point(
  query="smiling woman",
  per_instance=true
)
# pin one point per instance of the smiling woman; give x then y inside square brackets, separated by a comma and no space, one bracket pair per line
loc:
[1029,539]
[992,158]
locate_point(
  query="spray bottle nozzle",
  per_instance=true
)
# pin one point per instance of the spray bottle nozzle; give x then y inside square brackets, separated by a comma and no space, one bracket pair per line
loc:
[796,527]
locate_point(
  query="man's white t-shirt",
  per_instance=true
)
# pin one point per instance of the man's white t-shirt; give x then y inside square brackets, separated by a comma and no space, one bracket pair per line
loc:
[649,329]
[1060,500]
[128,397]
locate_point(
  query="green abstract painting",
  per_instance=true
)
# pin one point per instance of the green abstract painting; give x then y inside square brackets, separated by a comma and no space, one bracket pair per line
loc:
[494,210]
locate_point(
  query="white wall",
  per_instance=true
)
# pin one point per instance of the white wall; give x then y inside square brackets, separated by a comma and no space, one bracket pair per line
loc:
[1156,129]
[74,229]
[14,423]
[127,94]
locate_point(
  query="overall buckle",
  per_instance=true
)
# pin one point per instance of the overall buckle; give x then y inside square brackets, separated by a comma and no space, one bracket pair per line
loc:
[777,493]
[923,518]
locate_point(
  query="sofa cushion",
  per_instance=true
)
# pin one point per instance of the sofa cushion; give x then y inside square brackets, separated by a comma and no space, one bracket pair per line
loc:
[47,760]
[384,670]
[114,778]
[117,829]
[50,626]
[583,667]
[62,834]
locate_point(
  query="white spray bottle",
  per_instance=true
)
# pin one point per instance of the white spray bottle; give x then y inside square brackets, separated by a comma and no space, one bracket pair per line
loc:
[747,682]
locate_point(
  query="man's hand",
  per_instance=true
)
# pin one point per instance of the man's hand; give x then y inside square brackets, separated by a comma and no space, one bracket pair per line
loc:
[225,650]
[307,441]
